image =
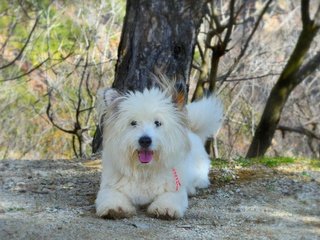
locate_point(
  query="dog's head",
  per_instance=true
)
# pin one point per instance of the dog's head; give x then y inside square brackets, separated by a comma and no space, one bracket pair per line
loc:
[143,128]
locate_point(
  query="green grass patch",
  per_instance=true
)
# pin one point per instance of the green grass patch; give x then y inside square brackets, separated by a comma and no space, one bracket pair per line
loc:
[267,161]
[16,209]
[245,162]
[315,164]
[219,163]
[276,161]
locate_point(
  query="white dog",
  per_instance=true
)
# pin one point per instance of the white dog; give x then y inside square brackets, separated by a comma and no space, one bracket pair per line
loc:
[153,152]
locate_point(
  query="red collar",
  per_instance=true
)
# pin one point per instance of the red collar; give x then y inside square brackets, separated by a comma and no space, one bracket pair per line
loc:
[176,178]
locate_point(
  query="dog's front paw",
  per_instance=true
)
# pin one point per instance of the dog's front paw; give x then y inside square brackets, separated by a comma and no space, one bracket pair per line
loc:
[113,205]
[162,211]
[116,213]
[170,205]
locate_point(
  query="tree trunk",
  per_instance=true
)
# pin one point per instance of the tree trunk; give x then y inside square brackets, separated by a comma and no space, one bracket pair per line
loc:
[158,36]
[288,80]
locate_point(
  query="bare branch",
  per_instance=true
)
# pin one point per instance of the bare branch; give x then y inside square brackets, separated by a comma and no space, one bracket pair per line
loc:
[307,69]
[78,108]
[200,51]
[230,24]
[74,146]
[300,130]
[26,73]
[51,118]
[281,91]
[91,98]
[305,15]
[316,19]
[197,67]
[11,28]
[246,44]
[250,78]
[243,50]
[24,46]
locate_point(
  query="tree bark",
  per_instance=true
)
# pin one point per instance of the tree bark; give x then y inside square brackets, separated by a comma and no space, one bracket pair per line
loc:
[290,77]
[158,36]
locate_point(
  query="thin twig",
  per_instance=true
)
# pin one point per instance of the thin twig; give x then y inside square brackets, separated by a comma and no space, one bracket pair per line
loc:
[26,73]
[50,116]
[24,46]
[308,68]
[10,31]
[247,42]
[299,130]
[248,78]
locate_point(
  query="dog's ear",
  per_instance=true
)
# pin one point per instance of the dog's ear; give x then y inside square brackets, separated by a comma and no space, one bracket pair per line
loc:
[180,94]
[107,95]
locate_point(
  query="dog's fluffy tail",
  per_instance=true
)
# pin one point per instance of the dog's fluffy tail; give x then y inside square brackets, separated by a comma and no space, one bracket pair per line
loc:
[205,116]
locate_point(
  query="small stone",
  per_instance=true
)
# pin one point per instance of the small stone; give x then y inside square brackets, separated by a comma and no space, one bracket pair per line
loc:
[185,226]
[140,225]
[20,187]
[70,185]
[45,190]
[42,174]
[285,191]
[52,209]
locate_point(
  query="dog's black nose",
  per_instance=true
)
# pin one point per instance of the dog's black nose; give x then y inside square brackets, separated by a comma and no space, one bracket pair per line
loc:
[145,141]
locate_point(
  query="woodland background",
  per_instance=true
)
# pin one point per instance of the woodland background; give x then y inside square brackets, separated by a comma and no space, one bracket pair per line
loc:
[54,55]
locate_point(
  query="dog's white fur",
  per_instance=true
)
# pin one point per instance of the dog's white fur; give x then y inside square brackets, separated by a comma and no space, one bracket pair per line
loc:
[176,144]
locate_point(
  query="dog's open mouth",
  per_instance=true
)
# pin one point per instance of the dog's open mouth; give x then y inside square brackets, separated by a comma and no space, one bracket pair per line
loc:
[145,156]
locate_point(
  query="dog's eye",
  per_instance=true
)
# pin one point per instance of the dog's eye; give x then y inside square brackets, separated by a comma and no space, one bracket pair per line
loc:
[133,123]
[157,123]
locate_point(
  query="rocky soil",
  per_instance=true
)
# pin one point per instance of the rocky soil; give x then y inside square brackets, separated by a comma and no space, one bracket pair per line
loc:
[54,199]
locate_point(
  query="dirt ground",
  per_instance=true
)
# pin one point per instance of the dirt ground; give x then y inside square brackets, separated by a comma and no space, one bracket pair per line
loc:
[54,199]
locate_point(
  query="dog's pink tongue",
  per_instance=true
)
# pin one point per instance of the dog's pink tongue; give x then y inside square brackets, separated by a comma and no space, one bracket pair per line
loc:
[145,156]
